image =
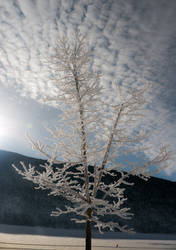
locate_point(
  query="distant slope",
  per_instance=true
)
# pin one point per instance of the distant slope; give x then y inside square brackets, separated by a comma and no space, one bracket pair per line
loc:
[153,203]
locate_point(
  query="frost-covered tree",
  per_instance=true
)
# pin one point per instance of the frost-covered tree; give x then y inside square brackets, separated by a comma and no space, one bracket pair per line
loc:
[92,135]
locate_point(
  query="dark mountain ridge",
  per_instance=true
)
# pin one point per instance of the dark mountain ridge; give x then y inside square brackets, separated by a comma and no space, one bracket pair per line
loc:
[153,203]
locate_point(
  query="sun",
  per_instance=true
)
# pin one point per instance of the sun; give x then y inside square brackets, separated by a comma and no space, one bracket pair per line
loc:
[4,127]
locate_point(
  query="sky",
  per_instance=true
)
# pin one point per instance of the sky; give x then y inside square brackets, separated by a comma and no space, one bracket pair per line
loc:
[134,42]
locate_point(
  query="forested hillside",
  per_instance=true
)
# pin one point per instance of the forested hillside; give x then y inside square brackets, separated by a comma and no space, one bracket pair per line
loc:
[153,202]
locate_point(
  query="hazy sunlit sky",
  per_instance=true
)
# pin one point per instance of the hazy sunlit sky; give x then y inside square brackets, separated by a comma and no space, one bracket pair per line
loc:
[134,41]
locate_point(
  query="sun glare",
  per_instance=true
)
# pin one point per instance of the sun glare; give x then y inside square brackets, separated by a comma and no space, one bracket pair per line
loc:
[4,127]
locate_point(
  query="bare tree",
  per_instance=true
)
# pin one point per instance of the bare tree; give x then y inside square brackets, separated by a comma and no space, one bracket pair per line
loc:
[90,136]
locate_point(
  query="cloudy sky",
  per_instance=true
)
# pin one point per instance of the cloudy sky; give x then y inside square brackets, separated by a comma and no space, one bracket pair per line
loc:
[134,42]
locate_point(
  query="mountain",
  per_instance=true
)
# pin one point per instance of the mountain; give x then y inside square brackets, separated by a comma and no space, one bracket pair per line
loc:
[153,203]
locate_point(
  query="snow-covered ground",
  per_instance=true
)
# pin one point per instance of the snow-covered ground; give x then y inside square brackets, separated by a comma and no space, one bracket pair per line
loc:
[33,238]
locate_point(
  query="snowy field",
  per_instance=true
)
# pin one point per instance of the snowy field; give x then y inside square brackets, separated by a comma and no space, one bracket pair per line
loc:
[23,238]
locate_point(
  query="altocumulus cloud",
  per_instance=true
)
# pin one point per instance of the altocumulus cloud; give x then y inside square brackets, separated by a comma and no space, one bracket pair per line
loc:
[132,43]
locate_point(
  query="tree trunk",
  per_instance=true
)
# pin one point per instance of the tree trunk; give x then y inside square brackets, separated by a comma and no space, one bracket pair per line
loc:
[88,230]
[88,235]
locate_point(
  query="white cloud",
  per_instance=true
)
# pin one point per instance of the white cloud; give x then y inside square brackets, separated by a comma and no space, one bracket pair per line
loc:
[130,39]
